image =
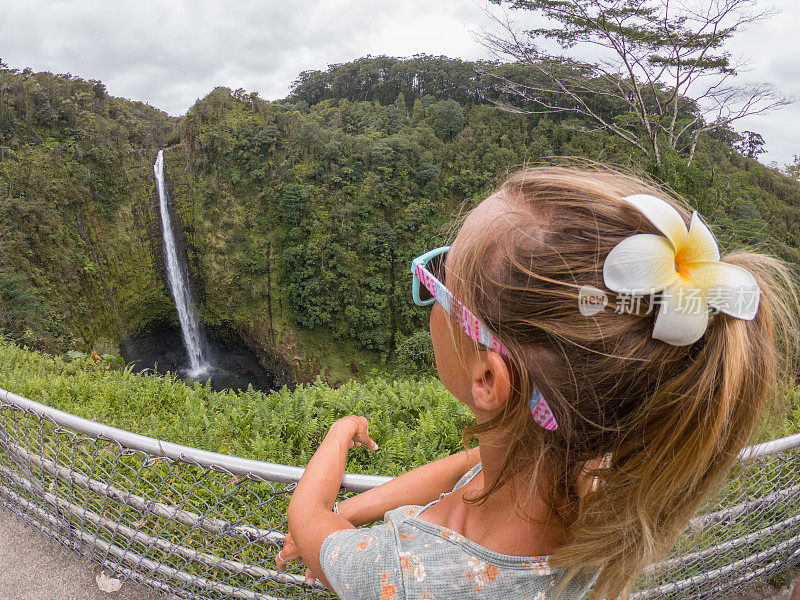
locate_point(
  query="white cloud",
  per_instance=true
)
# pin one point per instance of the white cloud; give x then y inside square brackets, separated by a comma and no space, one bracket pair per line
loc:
[170,53]
[770,47]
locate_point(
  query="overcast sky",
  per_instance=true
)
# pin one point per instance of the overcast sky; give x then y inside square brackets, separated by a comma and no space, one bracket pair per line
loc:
[169,53]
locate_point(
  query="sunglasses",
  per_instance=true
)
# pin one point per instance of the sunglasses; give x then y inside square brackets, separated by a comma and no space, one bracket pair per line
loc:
[427,287]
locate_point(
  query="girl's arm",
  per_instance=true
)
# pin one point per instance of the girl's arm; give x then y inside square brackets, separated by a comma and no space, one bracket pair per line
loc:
[418,486]
[310,517]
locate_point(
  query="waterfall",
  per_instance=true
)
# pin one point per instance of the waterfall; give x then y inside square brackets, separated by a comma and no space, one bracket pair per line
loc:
[193,339]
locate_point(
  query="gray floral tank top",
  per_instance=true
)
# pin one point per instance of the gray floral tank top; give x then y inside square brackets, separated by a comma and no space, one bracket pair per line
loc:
[407,558]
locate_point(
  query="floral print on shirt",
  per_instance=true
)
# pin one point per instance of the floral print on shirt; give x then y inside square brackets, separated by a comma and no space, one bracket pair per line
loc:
[410,559]
[388,590]
[480,573]
[412,566]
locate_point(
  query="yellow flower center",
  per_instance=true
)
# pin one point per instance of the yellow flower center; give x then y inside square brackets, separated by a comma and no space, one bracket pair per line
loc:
[679,261]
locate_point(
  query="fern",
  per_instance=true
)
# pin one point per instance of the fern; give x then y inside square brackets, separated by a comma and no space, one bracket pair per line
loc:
[413,420]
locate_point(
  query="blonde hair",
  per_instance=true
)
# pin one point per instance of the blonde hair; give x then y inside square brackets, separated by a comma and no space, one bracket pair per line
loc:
[667,420]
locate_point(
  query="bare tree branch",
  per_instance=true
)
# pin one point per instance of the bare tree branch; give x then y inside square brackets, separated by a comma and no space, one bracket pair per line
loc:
[662,64]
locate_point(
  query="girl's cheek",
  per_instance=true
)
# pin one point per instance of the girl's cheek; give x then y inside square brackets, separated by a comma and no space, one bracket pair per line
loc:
[439,338]
[435,333]
[447,364]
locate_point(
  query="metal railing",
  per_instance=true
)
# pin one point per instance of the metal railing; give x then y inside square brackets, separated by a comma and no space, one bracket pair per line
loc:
[198,524]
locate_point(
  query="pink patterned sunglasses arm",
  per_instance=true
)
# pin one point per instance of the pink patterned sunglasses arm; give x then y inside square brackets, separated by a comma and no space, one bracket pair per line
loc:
[477,331]
[469,322]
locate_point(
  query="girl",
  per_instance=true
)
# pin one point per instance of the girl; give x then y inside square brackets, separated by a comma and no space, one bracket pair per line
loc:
[615,367]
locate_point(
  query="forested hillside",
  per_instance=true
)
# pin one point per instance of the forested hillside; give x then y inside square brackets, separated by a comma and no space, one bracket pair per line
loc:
[74,172]
[301,215]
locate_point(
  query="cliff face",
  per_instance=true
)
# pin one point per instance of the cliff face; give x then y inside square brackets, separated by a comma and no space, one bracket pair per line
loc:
[75,176]
[298,219]
[81,257]
[126,290]
[93,273]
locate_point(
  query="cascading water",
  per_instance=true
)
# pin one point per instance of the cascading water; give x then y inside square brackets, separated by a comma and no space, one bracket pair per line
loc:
[193,339]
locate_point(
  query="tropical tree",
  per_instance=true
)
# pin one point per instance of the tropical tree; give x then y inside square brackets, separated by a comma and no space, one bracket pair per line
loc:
[750,144]
[662,64]
[793,169]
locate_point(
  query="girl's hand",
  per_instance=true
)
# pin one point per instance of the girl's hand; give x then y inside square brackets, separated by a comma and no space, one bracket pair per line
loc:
[354,429]
[289,552]
[309,514]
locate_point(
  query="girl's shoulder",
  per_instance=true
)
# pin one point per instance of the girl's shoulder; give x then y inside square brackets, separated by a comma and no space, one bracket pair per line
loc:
[440,543]
[468,476]
[402,513]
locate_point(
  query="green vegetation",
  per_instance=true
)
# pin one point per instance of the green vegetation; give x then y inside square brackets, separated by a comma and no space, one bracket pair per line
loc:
[300,216]
[413,420]
[75,179]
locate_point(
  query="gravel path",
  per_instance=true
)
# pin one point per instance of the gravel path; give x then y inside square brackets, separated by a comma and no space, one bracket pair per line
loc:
[33,566]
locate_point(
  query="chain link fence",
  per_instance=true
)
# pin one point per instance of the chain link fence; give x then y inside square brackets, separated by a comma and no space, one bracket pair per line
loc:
[202,525]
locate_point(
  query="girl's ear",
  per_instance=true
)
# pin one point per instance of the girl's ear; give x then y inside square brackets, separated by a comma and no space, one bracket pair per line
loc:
[491,383]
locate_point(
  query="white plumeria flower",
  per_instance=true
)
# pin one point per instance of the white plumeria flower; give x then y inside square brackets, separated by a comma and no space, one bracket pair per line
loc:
[681,264]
